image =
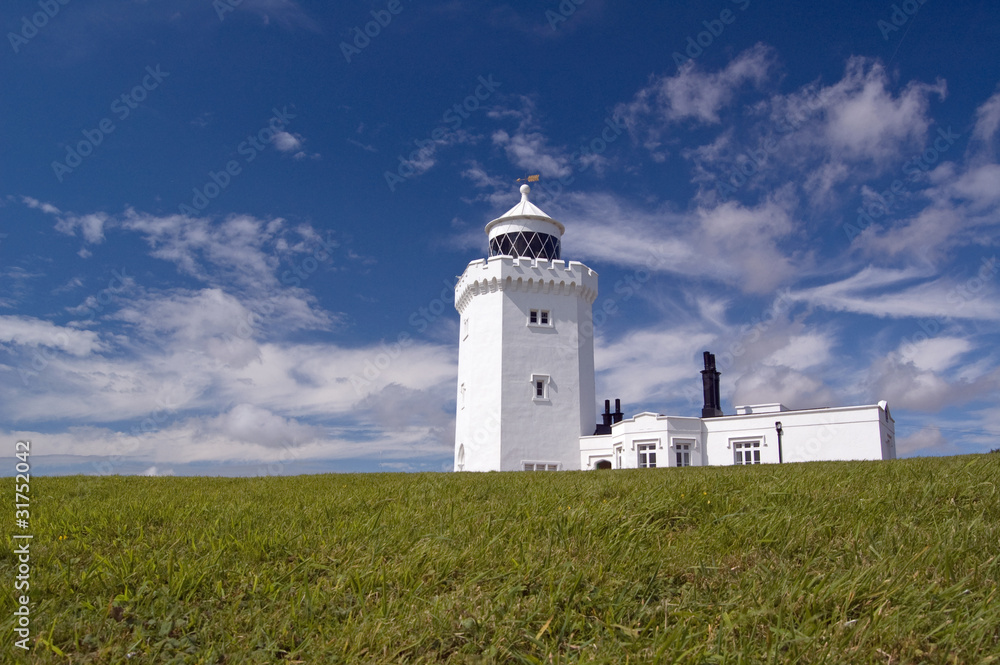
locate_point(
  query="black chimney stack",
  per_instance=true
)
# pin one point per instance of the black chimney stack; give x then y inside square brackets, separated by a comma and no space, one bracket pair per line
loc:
[609,418]
[710,384]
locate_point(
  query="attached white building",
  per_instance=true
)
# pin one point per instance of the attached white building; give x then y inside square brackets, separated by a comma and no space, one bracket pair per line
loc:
[526,397]
[760,434]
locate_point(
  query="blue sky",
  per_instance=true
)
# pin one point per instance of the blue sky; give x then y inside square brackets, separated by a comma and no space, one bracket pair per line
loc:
[229,230]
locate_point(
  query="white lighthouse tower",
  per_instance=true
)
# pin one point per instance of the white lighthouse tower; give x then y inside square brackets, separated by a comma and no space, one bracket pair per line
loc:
[526,349]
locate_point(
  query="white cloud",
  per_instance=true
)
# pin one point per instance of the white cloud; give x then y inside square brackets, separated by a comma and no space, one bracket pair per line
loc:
[47,208]
[987,120]
[802,352]
[893,293]
[91,227]
[794,389]
[652,365]
[728,243]
[695,94]
[909,386]
[862,118]
[691,94]
[936,354]
[928,439]
[526,146]
[286,142]
[32,332]
[254,425]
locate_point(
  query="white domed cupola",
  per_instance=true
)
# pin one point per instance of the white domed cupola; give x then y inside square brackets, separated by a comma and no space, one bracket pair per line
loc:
[525,231]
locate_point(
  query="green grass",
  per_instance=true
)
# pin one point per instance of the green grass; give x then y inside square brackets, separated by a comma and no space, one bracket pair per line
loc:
[886,562]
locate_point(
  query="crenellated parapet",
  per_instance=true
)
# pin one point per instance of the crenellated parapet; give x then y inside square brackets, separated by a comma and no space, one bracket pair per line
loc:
[505,273]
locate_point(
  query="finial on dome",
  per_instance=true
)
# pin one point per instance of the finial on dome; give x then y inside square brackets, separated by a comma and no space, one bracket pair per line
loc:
[525,190]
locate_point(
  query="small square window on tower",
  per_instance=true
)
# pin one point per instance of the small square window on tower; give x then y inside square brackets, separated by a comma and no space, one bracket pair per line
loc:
[539,317]
[540,387]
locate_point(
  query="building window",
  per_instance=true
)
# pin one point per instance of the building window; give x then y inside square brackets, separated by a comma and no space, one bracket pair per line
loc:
[539,387]
[465,327]
[683,451]
[619,452]
[541,466]
[461,397]
[539,317]
[460,457]
[647,455]
[746,452]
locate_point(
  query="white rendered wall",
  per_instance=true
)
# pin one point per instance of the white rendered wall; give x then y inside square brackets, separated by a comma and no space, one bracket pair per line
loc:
[842,433]
[477,415]
[500,424]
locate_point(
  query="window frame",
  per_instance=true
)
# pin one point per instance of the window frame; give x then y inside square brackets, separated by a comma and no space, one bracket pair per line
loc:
[743,448]
[542,379]
[539,465]
[542,318]
[649,449]
[682,453]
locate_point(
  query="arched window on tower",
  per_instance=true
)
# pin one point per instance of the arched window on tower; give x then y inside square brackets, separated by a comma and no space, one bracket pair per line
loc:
[460,457]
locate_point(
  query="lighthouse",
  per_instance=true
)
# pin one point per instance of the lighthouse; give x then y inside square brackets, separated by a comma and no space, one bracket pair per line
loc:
[526,349]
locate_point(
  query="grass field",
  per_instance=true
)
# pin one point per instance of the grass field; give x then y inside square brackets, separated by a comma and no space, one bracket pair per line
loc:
[886,562]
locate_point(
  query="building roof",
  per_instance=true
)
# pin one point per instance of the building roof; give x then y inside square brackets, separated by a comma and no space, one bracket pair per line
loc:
[525,209]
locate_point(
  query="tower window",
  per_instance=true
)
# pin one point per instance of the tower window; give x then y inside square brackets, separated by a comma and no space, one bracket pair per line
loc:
[540,387]
[539,317]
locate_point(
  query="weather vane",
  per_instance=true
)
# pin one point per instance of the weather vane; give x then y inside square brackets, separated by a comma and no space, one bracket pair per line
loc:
[528,178]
